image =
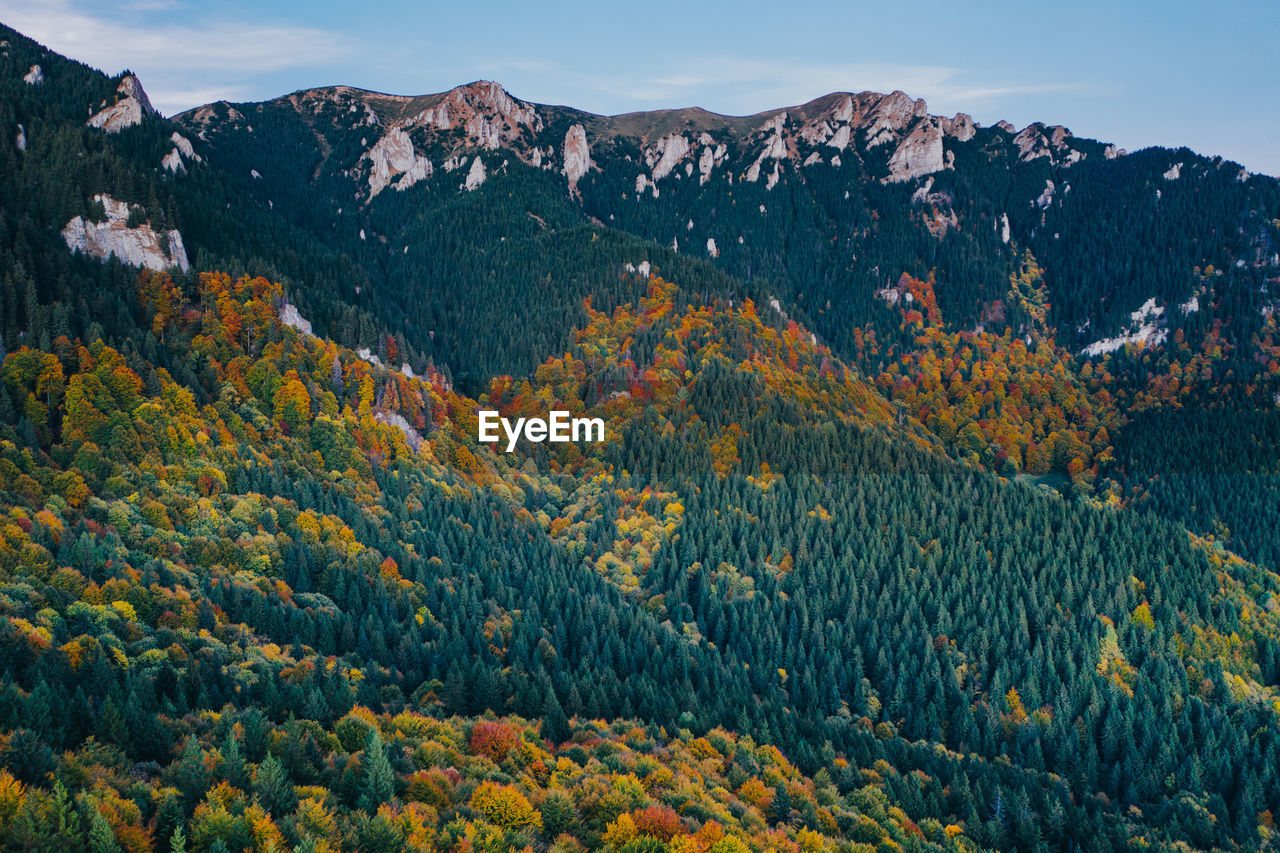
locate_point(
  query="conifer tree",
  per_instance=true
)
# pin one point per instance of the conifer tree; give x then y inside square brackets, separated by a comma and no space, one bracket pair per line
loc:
[275,790]
[378,784]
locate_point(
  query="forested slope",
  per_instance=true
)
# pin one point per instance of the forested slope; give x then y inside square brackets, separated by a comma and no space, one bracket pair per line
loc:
[797,570]
[873,557]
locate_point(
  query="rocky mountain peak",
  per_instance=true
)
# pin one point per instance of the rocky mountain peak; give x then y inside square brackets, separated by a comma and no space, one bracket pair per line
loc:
[486,111]
[891,112]
[1037,140]
[131,106]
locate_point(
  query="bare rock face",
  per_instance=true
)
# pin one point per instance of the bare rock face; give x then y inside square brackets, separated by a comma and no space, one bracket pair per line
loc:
[172,162]
[817,132]
[881,117]
[184,146]
[390,156]
[182,150]
[130,107]
[919,154]
[490,117]
[476,176]
[140,246]
[896,121]
[21,139]
[419,171]
[1147,328]
[773,135]
[775,146]
[705,164]
[669,151]
[1032,143]
[1046,195]
[290,316]
[34,77]
[840,139]
[961,127]
[893,112]
[576,156]
[1035,141]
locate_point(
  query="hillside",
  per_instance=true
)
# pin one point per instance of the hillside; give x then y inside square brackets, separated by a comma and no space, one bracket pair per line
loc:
[879,553]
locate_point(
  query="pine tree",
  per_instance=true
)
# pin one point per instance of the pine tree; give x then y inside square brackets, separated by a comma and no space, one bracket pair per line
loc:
[101,838]
[190,774]
[379,835]
[378,785]
[275,790]
[233,769]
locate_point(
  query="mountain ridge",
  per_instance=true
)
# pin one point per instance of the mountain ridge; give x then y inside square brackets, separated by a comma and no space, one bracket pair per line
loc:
[883,113]
[615,123]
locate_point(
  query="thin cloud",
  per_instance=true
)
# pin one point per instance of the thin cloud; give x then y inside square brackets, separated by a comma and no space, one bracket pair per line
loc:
[152,5]
[219,45]
[183,57]
[171,101]
[980,93]
[747,86]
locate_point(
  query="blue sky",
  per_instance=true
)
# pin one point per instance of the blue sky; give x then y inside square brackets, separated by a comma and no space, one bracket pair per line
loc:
[1133,73]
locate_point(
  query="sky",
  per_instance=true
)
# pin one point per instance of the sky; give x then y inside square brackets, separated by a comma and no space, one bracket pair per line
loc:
[1133,72]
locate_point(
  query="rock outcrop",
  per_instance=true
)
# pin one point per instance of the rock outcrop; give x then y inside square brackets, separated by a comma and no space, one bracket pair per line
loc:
[1046,195]
[130,107]
[475,176]
[488,115]
[184,146]
[34,77]
[1036,140]
[1146,328]
[140,246]
[920,153]
[961,127]
[576,156]
[290,316]
[664,156]
[916,139]
[173,161]
[393,156]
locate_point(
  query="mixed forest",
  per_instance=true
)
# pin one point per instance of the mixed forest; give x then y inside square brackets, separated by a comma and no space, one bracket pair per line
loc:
[897,566]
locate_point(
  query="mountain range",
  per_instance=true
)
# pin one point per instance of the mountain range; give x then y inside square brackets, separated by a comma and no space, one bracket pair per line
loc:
[937,508]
